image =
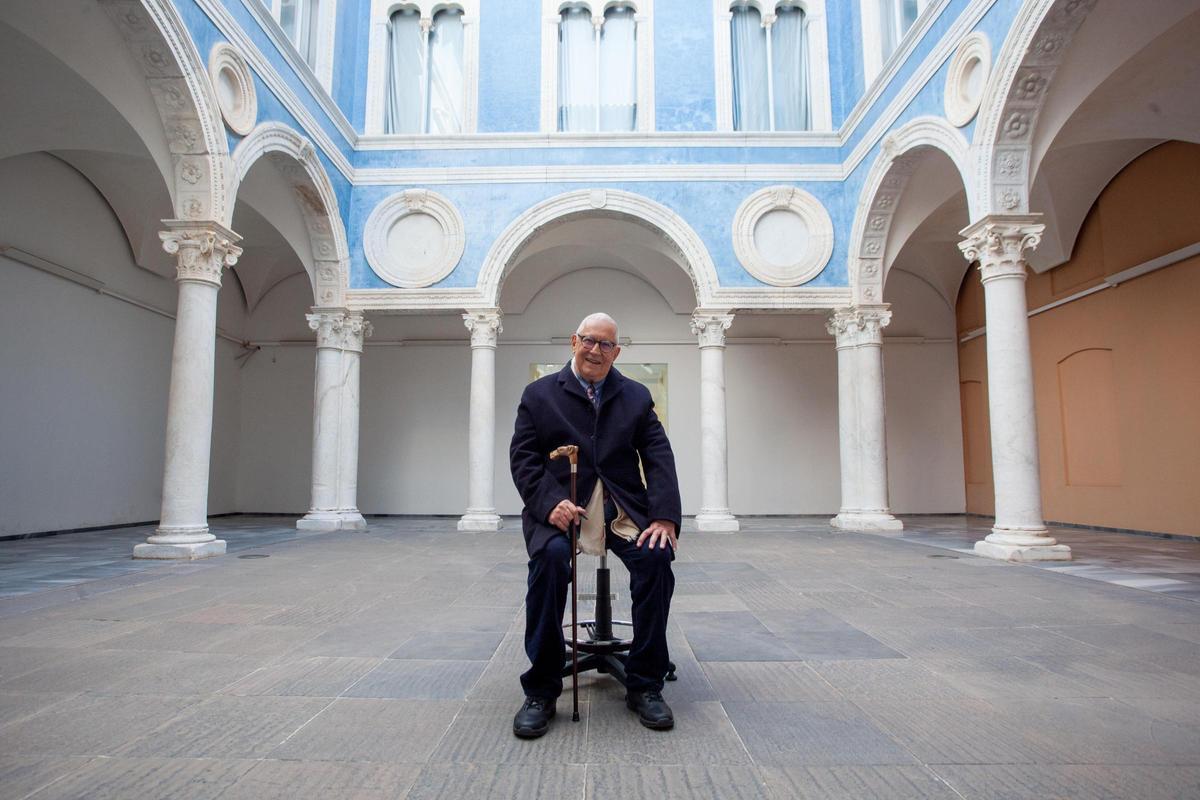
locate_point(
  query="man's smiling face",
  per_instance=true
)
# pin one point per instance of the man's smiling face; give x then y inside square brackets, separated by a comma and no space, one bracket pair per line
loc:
[592,363]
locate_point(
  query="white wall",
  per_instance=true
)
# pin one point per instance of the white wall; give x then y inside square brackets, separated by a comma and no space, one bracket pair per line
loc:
[86,376]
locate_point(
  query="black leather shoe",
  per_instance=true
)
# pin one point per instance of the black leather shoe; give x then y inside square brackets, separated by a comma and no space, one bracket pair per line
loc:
[533,720]
[652,710]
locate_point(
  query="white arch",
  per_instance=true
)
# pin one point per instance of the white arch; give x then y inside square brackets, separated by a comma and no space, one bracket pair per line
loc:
[1036,43]
[696,260]
[297,162]
[881,192]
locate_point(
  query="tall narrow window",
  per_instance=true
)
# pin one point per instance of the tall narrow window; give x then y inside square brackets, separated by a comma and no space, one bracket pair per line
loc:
[298,18]
[597,71]
[771,83]
[425,74]
[895,18]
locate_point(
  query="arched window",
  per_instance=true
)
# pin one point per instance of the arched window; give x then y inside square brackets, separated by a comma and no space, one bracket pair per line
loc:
[597,71]
[885,23]
[772,65]
[597,66]
[422,67]
[425,73]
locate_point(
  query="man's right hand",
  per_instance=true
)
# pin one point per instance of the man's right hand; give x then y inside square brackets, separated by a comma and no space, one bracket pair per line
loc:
[566,513]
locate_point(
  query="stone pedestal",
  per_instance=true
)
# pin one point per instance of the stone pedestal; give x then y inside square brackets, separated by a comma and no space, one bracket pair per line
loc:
[999,245]
[334,506]
[203,250]
[714,513]
[481,513]
[861,410]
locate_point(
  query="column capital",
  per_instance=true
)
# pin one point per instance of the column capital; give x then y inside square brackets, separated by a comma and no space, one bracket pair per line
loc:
[328,326]
[855,326]
[485,326]
[202,249]
[710,326]
[355,329]
[999,243]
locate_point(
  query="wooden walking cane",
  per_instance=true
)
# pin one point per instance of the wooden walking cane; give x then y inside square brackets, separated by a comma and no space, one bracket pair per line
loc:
[571,451]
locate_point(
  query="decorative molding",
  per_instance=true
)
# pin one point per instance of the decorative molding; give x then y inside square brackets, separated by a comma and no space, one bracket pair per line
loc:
[881,193]
[202,249]
[612,173]
[355,330]
[644,32]
[485,326]
[818,61]
[710,326]
[389,213]
[971,64]
[381,15]
[999,243]
[811,255]
[296,160]
[859,326]
[1036,44]
[227,69]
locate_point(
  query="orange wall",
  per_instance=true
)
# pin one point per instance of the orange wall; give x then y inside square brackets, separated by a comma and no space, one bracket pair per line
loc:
[1116,373]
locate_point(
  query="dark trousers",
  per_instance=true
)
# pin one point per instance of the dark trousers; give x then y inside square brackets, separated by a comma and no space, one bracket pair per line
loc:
[651,584]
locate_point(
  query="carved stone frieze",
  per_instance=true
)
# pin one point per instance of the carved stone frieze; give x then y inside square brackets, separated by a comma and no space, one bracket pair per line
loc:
[485,326]
[710,327]
[202,250]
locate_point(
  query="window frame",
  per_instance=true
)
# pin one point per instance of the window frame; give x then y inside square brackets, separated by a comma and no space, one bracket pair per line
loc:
[818,61]
[872,33]
[643,11]
[381,15]
[326,25]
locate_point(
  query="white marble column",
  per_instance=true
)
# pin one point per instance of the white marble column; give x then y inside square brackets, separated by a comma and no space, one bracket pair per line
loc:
[327,400]
[202,250]
[355,329]
[861,419]
[481,513]
[710,327]
[999,243]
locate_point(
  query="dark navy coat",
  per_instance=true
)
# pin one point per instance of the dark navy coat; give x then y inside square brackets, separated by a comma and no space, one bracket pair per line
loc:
[555,411]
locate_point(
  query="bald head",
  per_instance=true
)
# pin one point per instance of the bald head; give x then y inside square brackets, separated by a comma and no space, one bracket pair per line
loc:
[598,318]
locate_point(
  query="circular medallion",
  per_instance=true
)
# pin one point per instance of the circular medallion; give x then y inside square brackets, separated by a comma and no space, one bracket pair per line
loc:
[969,70]
[783,236]
[414,239]
[234,86]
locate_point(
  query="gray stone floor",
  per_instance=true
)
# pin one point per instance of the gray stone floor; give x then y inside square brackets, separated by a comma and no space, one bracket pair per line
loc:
[811,664]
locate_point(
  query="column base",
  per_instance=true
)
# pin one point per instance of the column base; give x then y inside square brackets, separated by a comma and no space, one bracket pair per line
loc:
[717,522]
[480,521]
[866,521]
[187,552]
[352,520]
[1022,545]
[331,521]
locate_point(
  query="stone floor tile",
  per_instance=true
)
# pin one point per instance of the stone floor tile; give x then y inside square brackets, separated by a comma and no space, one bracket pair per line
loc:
[359,639]
[124,778]
[450,645]
[21,776]
[227,727]
[702,735]
[230,613]
[953,730]
[1129,639]
[76,670]
[768,682]
[857,782]
[17,706]
[1020,782]
[813,734]
[88,726]
[306,676]
[732,636]
[188,637]
[322,780]
[418,680]
[817,635]
[498,782]
[381,731]
[71,633]
[674,782]
[482,734]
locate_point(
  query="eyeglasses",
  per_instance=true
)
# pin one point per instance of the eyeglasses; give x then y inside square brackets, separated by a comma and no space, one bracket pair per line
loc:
[588,343]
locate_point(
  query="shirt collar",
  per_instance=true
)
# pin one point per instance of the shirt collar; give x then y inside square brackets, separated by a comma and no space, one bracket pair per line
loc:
[583,381]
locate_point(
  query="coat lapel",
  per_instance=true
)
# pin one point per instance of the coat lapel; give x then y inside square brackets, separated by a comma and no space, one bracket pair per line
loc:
[570,384]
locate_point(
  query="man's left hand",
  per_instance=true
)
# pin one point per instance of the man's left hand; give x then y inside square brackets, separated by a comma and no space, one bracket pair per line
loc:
[660,532]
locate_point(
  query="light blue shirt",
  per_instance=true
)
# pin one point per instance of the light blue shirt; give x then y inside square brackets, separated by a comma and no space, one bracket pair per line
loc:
[596,387]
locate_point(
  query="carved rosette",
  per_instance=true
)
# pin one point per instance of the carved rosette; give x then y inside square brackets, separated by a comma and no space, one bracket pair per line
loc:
[328,327]
[858,326]
[355,330]
[999,244]
[202,250]
[710,327]
[485,327]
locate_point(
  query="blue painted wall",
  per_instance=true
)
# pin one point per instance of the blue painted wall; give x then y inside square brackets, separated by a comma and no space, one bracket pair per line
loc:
[684,73]
[510,65]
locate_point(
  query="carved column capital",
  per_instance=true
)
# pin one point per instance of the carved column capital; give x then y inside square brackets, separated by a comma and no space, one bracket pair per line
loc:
[485,326]
[355,330]
[999,242]
[710,326]
[328,326]
[856,326]
[202,249]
